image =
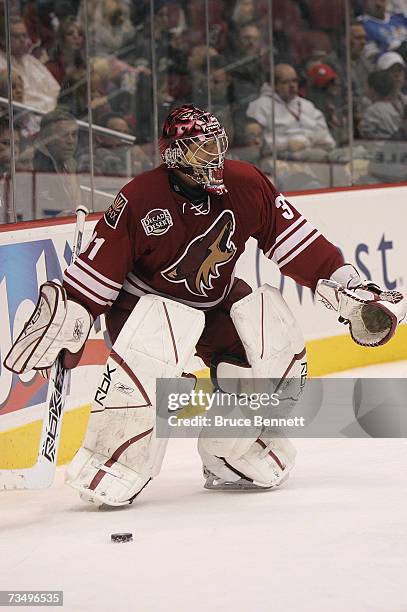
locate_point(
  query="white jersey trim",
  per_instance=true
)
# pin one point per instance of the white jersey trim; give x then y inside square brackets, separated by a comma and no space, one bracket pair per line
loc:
[281,236]
[300,249]
[104,279]
[83,291]
[83,277]
[135,286]
[289,243]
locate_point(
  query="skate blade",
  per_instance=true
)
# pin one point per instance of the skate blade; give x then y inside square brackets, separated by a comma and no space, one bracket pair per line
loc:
[218,484]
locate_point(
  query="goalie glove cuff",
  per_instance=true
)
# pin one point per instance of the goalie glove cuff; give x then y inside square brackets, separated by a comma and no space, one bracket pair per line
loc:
[57,323]
[347,276]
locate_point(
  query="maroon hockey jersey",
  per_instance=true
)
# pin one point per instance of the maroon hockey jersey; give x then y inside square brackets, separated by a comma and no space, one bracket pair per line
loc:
[153,240]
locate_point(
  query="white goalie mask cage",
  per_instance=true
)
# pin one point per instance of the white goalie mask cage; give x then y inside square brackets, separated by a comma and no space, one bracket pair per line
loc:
[203,157]
[195,142]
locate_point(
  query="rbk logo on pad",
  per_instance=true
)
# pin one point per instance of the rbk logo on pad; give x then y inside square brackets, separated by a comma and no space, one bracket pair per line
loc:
[113,213]
[200,262]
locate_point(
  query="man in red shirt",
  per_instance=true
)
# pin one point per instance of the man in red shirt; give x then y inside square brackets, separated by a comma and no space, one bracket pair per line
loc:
[161,265]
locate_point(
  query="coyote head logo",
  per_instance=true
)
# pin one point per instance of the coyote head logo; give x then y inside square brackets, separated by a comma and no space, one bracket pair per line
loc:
[199,264]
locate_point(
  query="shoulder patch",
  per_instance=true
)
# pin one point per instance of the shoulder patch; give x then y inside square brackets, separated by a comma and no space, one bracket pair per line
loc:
[113,213]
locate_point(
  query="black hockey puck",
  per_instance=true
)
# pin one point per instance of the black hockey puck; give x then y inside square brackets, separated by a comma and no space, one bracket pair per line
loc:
[121,537]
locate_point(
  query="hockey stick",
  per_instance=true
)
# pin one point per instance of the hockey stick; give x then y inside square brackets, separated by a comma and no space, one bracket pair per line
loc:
[41,474]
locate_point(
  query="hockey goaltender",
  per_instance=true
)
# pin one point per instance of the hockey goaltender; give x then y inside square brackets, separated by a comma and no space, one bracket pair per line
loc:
[160,265]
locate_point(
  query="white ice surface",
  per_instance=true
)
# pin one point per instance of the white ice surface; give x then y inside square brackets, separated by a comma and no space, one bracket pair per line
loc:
[333,540]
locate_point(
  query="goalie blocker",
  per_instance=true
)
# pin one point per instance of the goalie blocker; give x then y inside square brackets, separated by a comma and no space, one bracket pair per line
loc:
[57,323]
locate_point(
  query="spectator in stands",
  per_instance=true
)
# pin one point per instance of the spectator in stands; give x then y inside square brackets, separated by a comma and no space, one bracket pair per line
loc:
[55,155]
[244,13]
[246,66]
[74,93]
[324,89]
[249,143]
[111,31]
[299,125]
[26,123]
[394,65]
[218,80]
[385,32]
[170,15]
[5,148]
[17,86]
[114,156]
[361,66]
[6,212]
[40,87]
[171,61]
[40,19]
[166,52]
[172,48]
[57,142]
[381,120]
[67,56]
[219,83]
[198,71]
[252,133]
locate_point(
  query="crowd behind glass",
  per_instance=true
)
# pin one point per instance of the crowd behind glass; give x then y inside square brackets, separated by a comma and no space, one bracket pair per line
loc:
[311,91]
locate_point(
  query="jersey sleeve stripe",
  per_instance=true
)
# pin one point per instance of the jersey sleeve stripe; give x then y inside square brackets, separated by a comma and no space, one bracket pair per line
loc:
[97,275]
[299,248]
[130,288]
[296,246]
[69,281]
[90,283]
[285,233]
[292,241]
[278,244]
[132,279]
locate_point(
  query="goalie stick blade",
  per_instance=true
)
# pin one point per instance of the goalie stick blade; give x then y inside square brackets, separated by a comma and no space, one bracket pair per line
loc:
[39,476]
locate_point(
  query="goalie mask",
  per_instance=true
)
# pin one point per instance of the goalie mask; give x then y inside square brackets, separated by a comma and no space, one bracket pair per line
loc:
[195,142]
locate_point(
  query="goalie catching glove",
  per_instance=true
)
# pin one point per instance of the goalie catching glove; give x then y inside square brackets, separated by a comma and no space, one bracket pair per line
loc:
[372,314]
[57,323]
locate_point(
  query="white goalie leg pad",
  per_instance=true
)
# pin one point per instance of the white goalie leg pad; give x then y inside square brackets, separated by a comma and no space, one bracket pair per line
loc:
[275,349]
[270,334]
[121,453]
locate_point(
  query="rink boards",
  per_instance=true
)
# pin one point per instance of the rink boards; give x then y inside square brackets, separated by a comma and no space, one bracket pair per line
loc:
[368,225]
